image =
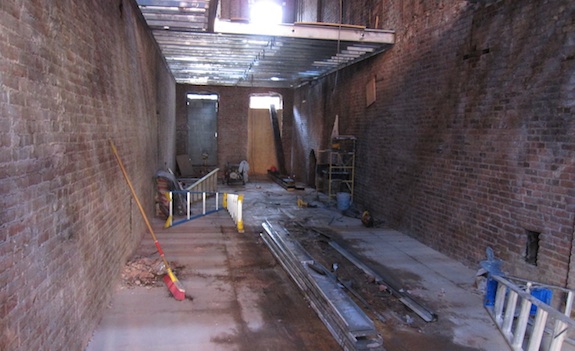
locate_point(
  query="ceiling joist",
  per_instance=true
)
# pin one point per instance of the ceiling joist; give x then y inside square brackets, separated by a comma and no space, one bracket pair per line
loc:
[204,51]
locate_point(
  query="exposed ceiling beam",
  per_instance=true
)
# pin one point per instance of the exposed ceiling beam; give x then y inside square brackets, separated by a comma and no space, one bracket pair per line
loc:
[202,50]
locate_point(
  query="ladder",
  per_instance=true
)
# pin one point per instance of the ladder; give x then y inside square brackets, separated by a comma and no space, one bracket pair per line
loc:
[536,325]
[232,202]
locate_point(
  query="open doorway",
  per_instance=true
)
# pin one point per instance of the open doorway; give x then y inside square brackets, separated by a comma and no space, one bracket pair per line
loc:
[202,128]
[261,141]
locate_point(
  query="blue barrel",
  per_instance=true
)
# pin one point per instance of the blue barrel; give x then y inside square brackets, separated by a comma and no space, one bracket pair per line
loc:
[490,291]
[542,294]
[343,201]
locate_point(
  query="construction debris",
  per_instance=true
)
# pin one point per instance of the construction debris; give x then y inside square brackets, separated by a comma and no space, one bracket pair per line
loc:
[284,181]
[367,219]
[166,182]
[301,203]
[145,271]
[348,324]
[422,311]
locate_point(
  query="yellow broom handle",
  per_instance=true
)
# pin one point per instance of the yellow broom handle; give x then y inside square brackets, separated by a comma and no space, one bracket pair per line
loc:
[115,151]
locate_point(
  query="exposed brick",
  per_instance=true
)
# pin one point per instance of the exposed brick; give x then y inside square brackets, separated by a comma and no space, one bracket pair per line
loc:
[232,121]
[470,126]
[469,144]
[70,83]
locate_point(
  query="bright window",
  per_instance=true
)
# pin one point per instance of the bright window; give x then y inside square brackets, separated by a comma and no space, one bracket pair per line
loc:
[266,12]
[192,96]
[264,102]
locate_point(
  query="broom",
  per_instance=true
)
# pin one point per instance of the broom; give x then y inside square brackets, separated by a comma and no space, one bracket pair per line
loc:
[170,279]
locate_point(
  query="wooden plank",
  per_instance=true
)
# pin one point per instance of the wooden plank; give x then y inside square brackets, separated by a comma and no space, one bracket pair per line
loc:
[277,140]
[185,165]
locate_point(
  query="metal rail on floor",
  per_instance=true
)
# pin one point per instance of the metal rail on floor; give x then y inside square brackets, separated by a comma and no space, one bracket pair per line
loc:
[348,324]
[537,325]
[423,312]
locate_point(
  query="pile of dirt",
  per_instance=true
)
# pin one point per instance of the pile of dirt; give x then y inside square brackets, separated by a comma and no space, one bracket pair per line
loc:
[143,271]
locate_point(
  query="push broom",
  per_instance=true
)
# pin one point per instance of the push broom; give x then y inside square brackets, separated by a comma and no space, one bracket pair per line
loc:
[170,279]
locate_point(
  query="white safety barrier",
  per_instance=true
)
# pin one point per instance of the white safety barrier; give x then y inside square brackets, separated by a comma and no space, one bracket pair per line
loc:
[233,203]
[537,325]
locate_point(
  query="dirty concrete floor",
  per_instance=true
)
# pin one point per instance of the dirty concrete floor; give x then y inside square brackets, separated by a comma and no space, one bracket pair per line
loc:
[239,297]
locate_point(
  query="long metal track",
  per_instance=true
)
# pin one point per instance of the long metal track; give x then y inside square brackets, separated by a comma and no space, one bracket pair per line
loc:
[348,324]
[425,313]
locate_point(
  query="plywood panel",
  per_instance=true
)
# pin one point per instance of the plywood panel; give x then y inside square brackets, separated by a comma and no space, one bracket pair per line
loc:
[261,150]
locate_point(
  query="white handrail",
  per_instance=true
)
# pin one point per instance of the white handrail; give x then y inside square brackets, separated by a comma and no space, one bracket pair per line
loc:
[208,184]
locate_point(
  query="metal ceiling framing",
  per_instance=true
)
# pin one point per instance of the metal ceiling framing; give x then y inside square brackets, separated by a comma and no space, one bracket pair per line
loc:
[202,50]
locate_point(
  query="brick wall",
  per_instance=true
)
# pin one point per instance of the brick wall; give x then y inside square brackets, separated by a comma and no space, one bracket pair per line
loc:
[73,75]
[357,12]
[471,142]
[232,120]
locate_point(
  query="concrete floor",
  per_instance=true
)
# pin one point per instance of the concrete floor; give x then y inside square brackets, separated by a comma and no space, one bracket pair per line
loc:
[232,277]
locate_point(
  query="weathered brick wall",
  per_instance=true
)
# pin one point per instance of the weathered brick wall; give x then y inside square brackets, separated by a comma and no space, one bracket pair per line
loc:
[232,120]
[314,117]
[471,142]
[165,117]
[357,12]
[74,74]
[306,11]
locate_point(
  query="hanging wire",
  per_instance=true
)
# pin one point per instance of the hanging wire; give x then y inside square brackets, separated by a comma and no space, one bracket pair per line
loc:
[338,46]
[339,29]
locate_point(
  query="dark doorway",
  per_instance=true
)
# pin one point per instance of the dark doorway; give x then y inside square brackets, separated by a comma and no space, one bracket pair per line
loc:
[311,171]
[202,124]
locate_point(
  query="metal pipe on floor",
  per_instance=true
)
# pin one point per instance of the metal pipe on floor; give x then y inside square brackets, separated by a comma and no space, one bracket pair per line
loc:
[423,312]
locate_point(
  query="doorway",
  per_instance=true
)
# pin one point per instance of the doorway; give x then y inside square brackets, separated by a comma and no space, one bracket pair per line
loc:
[202,128]
[261,143]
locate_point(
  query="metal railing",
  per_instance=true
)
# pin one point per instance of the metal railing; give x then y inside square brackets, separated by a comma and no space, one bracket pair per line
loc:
[208,183]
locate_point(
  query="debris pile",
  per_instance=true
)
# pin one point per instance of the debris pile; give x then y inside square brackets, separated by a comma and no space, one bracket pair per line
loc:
[347,322]
[143,271]
[166,182]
